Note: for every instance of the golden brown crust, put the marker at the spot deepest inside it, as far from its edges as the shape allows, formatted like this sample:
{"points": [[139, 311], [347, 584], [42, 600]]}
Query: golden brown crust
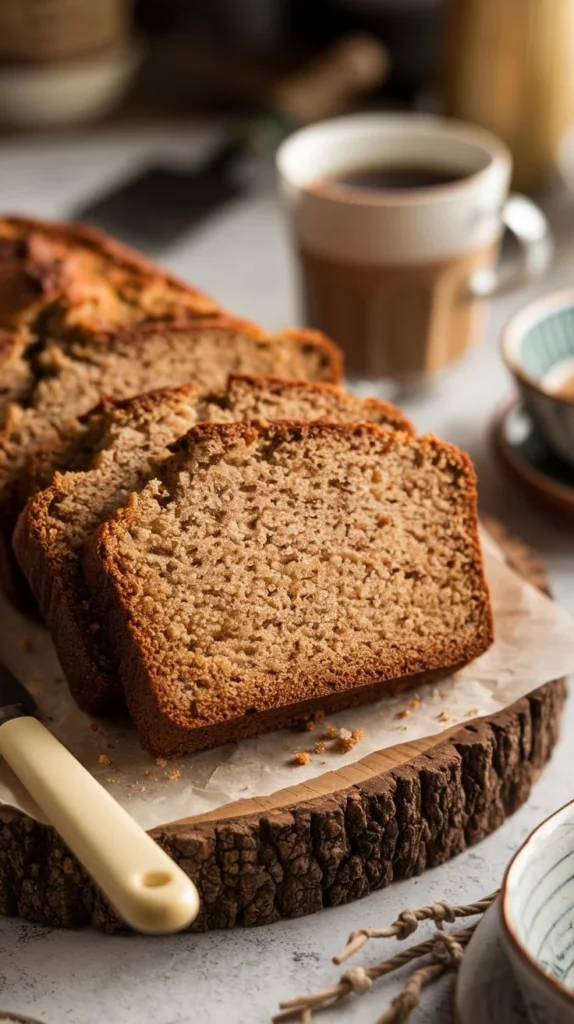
{"points": [[161, 727], [41, 263]]}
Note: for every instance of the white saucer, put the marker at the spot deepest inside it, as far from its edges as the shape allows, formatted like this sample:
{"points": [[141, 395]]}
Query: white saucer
{"points": [[486, 992]]}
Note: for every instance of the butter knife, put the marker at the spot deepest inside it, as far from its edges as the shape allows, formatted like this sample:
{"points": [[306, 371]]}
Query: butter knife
{"points": [[147, 889]]}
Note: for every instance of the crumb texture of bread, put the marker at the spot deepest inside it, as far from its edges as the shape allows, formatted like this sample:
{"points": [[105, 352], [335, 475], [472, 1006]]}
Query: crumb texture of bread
{"points": [[273, 565], [112, 451]]}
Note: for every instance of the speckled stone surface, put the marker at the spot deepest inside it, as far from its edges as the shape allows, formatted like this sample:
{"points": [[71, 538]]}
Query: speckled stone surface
{"points": [[241, 256]]}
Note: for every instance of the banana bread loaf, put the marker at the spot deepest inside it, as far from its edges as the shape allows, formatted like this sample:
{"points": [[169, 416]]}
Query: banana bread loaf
{"points": [[275, 569], [114, 450]]}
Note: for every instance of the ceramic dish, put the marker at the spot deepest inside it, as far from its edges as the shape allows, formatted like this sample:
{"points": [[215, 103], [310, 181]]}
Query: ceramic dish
{"points": [[68, 92], [537, 919], [530, 461], [538, 348], [486, 992]]}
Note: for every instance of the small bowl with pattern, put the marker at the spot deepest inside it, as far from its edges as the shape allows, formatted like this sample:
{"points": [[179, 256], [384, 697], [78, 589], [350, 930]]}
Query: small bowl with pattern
{"points": [[537, 915], [538, 349]]}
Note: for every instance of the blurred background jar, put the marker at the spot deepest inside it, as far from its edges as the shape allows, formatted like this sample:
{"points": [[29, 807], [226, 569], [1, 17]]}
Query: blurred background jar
{"points": [[509, 66], [63, 61]]}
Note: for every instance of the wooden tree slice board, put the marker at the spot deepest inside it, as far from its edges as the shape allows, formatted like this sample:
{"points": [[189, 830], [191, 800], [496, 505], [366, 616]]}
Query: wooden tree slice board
{"points": [[328, 841]]}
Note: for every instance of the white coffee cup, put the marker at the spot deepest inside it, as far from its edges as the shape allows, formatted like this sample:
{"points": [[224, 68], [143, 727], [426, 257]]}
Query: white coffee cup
{"points": [[398, 276]]}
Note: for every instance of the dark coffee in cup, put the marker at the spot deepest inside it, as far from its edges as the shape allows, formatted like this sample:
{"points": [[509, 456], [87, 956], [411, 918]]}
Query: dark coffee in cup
{"points": [[396, 178]]}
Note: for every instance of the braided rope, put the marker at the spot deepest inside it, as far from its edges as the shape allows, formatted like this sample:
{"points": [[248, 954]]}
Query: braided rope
{"points": [[408, 921], [445, 949]]}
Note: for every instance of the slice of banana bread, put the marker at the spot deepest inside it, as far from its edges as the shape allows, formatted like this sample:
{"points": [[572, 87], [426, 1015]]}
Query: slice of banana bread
{"points": [[71, 376], [274, 569], [114, 450]]}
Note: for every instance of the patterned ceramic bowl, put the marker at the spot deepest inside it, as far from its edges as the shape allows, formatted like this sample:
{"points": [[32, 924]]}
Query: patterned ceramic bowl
{"points": [[538, 348], [537, 914]]}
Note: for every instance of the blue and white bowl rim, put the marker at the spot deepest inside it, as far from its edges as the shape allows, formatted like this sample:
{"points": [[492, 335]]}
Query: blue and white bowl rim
{"points": [[520, 324], [553, 984]]}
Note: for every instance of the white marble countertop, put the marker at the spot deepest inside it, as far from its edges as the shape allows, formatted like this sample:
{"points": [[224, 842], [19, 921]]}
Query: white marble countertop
{"points": [[241, 257]]}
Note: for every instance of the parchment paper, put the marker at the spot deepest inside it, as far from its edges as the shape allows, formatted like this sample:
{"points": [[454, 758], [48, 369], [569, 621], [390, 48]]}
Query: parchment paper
{"points": [[534, 644]]}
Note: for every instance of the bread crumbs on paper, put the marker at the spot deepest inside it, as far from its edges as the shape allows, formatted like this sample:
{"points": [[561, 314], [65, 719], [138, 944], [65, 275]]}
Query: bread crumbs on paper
{"points": [[301, 757], [403, 714], [104, 759], [347, 742], [173, 774], [320, 747], [443, 717], [414, 703], [161, 762], [472, 712], [331, 732]]}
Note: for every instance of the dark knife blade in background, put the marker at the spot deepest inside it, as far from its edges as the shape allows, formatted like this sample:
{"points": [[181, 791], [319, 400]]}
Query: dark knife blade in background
{"points": [[158, 203], [14, 698]]}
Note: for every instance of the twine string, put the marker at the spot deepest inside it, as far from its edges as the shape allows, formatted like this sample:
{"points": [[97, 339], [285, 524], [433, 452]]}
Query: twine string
{"points": [[408, 921], [445, 950]]}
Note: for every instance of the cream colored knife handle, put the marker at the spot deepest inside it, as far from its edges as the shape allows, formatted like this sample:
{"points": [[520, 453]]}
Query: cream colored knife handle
{"points": [[148, 890]]}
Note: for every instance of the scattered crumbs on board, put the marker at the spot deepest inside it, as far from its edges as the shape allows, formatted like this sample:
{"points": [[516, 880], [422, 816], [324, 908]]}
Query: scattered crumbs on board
{"points": [[94, 727], [403, 714], [161, 762], [414, 703], [320, 747], [104, 759], [301, 757], [173, 774], [112, 782], [149, 773], [443, 717]]}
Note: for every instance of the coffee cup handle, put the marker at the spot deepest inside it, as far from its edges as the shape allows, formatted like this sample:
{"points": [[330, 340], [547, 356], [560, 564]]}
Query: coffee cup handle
{"points": [[531, 229]]}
